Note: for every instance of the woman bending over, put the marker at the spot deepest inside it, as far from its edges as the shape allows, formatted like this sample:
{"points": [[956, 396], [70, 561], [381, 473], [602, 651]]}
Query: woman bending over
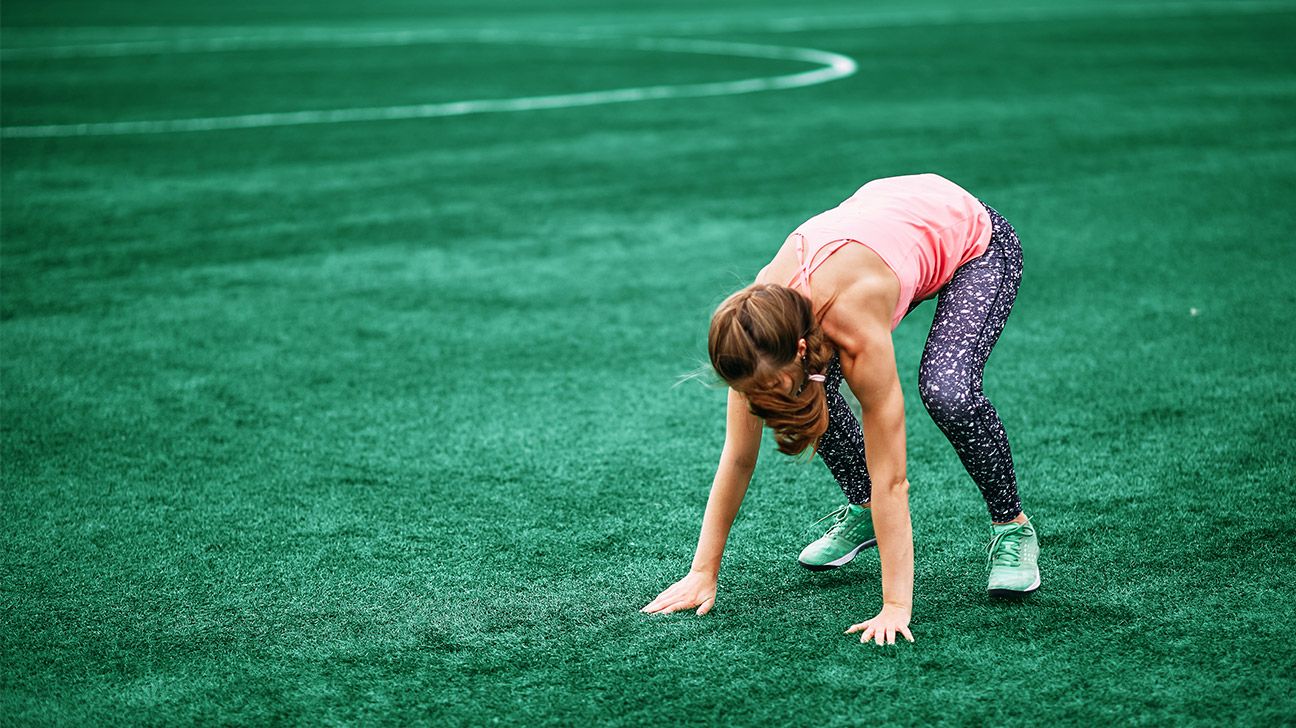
{"points": [[785, 343]]}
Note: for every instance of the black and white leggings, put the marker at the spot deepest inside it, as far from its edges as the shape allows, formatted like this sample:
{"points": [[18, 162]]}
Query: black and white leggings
{"points": [[970, 312]]}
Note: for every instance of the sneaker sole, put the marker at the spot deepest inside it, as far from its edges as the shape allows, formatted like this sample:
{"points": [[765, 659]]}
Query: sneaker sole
{"points": [[841, 561], [1015, 593]]}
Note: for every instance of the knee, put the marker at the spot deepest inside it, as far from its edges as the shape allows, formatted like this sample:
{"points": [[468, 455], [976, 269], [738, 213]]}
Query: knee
{"points": [[948, 399]]}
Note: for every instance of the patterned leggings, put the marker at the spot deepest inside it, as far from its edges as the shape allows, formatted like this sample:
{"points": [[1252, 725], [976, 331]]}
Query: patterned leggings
{"points": [[970, 312]]}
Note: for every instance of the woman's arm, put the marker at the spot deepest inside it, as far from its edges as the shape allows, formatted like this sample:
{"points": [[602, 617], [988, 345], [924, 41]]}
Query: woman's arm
{"points": [[737, 461], [871, 375], [861, 329]]}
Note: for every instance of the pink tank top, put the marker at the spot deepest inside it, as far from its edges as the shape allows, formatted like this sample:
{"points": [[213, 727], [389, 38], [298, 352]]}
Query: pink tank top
{"points": [[923, 226]]}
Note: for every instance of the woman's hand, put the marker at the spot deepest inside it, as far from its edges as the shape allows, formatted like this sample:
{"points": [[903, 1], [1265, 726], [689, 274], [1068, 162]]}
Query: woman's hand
{"points": [[698, 588], [890, 620]]}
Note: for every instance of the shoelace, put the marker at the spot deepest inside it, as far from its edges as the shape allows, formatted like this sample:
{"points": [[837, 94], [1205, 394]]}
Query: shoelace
{"points": [[841, 514], [1008, 545]]}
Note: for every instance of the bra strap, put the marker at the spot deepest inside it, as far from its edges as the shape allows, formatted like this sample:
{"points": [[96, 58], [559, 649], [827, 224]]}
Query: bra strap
{"points": [[806, 267], [802, 271]]}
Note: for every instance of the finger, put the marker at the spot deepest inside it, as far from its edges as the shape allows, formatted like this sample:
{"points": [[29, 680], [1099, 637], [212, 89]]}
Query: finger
{"points": [[661, 599], [890, 635], [864, 636], [706, 606], [878, 636], [659, 605], [678, 604], [857, 627], [666, 595], [906, 633]]}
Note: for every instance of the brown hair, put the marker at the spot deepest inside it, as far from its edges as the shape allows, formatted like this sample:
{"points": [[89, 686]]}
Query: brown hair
{"points": [[753, 338]]}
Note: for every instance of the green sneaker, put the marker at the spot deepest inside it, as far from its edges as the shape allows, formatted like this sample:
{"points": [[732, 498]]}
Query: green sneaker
{"points": [[851, 532], [1013, 556]]}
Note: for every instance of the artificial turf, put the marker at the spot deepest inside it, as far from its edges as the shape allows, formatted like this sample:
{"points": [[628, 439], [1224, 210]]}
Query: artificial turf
{"points": [[375, 422]]}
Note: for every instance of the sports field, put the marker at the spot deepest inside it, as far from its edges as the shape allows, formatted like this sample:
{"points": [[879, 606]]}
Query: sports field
{"points": [[338, 343]]}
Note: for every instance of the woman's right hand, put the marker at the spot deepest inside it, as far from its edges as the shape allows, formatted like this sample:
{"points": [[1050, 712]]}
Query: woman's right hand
{"points": [[698, 589]]}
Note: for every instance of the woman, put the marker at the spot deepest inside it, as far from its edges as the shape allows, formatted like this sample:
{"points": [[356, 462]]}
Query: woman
{"points": [[785, 343]]}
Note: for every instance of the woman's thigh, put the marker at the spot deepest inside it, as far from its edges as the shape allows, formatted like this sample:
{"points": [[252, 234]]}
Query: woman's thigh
{"points": [[971, 311]]}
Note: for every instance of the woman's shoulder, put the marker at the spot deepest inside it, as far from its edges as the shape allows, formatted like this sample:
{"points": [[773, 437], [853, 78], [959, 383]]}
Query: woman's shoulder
{"points": [[860, 310], [858, 274]]}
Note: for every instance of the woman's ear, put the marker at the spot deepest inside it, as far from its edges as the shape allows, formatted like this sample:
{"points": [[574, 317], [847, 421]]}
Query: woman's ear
{"points": [[801, 348]]}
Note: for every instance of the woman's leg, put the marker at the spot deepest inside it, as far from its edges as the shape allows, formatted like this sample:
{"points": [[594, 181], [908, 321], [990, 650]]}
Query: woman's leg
{"points": [[970, 313], [842, 445]]}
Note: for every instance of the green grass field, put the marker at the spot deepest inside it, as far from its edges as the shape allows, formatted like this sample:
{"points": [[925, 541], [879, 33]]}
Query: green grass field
{"points": [[356, 422]]}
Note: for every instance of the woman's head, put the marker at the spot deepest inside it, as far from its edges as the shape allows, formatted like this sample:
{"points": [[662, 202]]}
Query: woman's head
{"points": [[765, 342]]}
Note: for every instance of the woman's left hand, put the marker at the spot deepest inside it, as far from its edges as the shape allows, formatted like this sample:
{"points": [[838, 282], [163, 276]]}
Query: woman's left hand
{"points": [[890, 620]]}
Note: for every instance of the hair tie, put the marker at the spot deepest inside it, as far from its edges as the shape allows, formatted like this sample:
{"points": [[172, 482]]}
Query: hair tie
{"points": [[817, 377]]}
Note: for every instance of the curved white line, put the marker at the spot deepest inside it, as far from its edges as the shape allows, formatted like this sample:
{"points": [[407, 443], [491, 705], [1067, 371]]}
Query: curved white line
{"points": [[832, 66]]}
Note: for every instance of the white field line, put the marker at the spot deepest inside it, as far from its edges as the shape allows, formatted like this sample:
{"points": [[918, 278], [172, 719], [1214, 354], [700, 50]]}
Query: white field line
{"points": [[831, 66], [280, 38]]}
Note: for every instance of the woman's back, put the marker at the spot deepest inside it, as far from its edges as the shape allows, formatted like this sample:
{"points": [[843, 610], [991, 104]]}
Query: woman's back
{"points": [[922, 226]]}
